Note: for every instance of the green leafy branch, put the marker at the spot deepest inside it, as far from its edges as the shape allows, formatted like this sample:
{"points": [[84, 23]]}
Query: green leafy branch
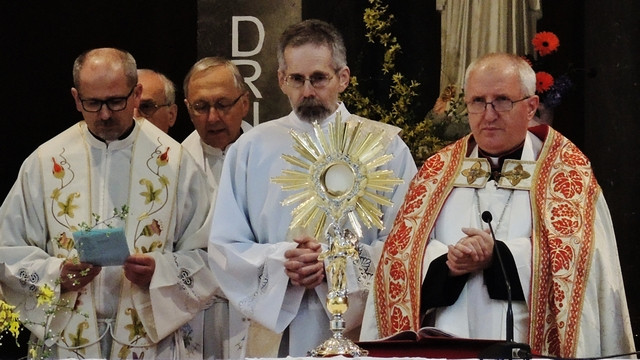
{"points": [[423, 134], [121, 214]]}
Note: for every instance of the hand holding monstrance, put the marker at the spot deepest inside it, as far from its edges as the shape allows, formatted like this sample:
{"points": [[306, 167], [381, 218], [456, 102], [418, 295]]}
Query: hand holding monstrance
{"points": [[339, 181]]}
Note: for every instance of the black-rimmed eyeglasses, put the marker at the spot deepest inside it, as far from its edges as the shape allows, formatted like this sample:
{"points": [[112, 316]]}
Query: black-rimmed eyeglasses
{"points": [[478, 106], [200, 108], [149, 107], [113, 103]]}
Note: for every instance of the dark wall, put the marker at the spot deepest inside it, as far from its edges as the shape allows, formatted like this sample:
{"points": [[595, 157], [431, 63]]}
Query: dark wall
{"points": [[611, 126]]}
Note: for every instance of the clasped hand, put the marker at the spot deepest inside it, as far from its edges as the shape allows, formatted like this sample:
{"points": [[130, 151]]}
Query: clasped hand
{"points": [[74, 276], [302, 265], [472, 253], [138, 268]]}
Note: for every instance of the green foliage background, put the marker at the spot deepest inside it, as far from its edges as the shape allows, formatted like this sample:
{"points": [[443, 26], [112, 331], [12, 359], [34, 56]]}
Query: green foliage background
{"points": [[424, 133]]}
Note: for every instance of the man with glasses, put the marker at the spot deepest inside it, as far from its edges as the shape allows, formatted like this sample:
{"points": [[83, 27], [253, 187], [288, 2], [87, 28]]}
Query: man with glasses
{"points": [[537, 191], [108, 173], [271, 274], [158, 102], [217, 99]]}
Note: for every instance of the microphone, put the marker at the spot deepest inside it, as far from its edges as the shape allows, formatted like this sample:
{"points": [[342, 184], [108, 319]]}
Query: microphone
{"points": [[510, 349]]}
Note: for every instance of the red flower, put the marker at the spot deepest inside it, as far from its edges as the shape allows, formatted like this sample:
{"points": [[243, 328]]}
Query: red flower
{"points": [[545, 43], [58, 170], [544, 81], [163, 159]]}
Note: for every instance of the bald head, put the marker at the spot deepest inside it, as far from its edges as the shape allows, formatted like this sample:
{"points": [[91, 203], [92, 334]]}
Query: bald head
{"points": [[115, 60], [504, 62]]}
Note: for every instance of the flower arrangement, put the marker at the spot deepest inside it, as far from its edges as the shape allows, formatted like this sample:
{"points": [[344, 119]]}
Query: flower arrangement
{"points": [[550, 89], [9, 320], [424, 134]]}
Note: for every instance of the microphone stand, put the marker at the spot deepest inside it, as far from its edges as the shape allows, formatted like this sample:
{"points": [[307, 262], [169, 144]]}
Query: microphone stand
{"points": [[509, 349]]}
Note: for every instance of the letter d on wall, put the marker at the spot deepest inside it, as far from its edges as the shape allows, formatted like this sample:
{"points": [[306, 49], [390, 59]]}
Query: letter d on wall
{"points": [[235, 52]]}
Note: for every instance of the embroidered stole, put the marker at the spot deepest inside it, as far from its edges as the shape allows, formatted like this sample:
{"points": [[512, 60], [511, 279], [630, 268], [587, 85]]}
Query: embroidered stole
{"points": [[563, 195], [152, 192]]}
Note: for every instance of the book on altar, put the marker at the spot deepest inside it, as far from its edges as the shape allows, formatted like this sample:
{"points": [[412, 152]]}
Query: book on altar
{"points": [[423, 333]]}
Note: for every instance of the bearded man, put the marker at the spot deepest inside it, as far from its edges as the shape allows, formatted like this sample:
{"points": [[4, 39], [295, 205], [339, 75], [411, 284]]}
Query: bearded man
{"points": [[271, 274]]}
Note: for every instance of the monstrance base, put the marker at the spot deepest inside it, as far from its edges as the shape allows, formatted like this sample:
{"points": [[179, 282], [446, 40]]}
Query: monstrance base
{"points": [[338, 346]]}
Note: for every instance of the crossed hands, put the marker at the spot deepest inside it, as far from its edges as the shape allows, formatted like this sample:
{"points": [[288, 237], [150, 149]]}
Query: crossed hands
{"points": [[138, 268], [471, 253], [302, 265]]}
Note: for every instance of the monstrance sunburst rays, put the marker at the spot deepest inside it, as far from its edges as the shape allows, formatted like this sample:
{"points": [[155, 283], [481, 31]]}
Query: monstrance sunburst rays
{"points": [[338, 177]]}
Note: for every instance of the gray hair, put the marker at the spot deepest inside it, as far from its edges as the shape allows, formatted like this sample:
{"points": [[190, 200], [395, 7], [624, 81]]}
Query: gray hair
{"points": [[525, 72], [213, 62], [315, 32], [117, 56], [169, 87]]}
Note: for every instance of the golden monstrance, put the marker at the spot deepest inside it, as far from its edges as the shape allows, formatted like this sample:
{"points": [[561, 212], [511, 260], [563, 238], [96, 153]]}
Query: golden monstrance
{"points": [[337, 181]]}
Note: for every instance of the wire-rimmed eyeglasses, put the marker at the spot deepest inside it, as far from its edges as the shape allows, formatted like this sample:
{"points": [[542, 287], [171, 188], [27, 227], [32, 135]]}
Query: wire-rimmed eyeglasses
{"points": [[200, 108], [318, 81], [149, 107], [478, 106]]}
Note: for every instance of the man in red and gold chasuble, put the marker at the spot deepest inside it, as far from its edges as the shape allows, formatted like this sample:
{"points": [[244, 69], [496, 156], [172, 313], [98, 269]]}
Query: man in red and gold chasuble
{"points": [[551, 222]]}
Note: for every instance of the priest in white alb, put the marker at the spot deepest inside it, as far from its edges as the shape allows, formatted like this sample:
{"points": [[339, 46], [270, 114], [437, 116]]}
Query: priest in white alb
{"points": [[271, 274]]}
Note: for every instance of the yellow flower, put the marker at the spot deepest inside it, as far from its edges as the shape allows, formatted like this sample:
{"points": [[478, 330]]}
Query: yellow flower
{"points": [[9, 319], [67, 208], [151, 194], [45, 295], [14, 326]]}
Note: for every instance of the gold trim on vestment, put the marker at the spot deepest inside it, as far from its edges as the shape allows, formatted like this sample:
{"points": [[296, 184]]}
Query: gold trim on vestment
{"points": [[515, 174]]}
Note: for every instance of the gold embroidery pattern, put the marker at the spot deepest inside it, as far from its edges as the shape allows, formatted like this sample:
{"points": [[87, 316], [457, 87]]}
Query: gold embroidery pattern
{"points": [[516, 175], [475, 172], [148, 230]]}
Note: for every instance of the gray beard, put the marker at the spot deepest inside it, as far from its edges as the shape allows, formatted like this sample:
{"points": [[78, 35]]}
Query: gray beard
{"points": [[311, 109]]}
